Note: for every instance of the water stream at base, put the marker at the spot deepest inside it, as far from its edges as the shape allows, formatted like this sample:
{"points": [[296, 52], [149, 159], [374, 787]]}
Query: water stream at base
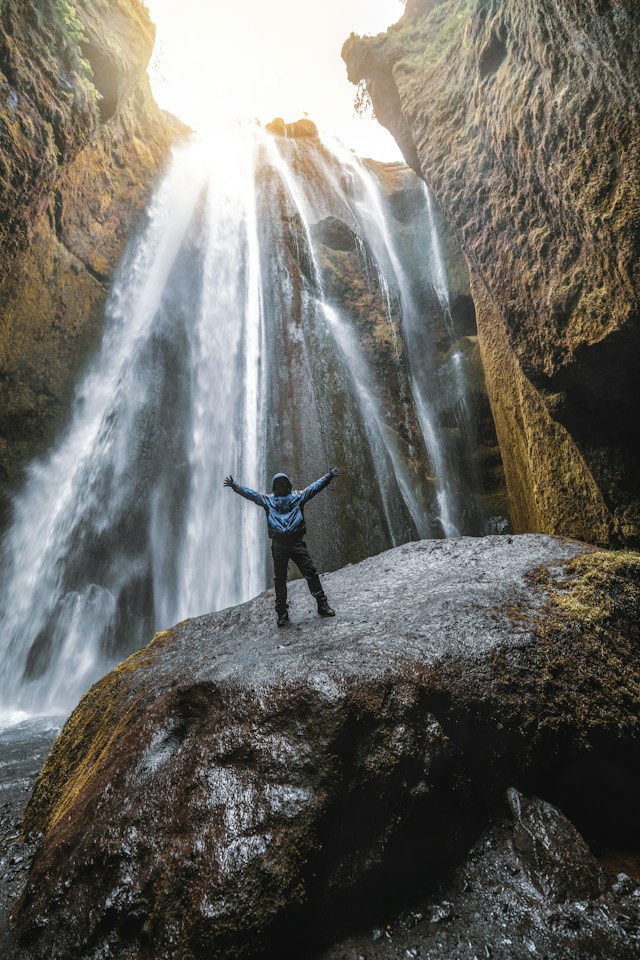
{"points": [[222, 352]]}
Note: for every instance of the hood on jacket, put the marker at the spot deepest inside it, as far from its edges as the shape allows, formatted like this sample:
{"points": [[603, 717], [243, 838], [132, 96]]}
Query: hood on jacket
{"points": [[278, 476]]}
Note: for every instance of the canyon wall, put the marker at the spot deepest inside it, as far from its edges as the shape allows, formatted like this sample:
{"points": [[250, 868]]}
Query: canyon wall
{"points": [[522, 117], [81, 142]]}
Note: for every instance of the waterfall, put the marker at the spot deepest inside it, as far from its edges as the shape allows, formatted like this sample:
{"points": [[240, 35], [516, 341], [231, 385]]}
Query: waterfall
{"points": [[121, 530], [438, 272], [367, 207], [387, 459], [228, 347]]}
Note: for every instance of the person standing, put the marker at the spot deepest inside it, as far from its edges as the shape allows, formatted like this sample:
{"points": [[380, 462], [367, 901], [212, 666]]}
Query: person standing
{"points": [[284, 508]]}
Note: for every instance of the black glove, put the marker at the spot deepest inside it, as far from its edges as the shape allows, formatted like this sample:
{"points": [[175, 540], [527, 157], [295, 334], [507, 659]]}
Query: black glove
{"points": [[228, 481], [335, 471]]}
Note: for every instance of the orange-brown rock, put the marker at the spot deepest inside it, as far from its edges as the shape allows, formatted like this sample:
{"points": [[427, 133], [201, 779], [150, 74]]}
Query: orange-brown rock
{"points": [[523, 118], [299, 128]]}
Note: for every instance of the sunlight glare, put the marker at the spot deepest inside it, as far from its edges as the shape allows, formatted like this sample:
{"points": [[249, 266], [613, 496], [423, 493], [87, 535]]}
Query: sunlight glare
{"points": [[216, 62]]}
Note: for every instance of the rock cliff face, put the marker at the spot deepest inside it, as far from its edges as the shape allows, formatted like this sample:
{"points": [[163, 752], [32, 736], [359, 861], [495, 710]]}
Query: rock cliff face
{"points": [[233, 788], [81, 140], [523, 119]]}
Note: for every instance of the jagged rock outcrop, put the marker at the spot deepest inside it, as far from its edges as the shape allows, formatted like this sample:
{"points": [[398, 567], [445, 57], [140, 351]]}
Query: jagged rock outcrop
{"points": [[81, 141], [232, 788], [523, 119], [298, 129]]}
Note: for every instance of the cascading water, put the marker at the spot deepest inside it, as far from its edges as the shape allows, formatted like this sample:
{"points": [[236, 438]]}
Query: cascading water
{"points": [[121, 530], [456, 374], [389, 469], [431, 379], [368, 208], [228, 347]]}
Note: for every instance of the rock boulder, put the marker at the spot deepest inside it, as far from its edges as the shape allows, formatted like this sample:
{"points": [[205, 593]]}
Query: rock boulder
{"points": [[499, 902], [230, 783], [299, 128]]}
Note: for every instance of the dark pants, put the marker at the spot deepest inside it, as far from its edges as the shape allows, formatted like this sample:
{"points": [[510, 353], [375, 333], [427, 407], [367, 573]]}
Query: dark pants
{"points": [[293, 548]]}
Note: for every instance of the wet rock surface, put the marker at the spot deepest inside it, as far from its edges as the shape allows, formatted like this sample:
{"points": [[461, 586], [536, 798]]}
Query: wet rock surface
{"points": [[554, 857], [23, 750], [234, 787], [493, 907]]}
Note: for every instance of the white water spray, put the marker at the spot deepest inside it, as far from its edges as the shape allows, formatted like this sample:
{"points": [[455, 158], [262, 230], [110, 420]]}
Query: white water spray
{"points": [[121, 530]]}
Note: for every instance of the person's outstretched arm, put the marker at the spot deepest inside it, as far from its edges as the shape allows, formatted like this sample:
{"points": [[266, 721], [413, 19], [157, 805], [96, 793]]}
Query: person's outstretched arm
{"points": [[245, 492], [320, 484]]}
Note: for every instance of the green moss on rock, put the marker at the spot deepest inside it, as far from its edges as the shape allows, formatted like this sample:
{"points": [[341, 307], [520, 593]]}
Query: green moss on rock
{"points": [[588, 628], [89, 739]]}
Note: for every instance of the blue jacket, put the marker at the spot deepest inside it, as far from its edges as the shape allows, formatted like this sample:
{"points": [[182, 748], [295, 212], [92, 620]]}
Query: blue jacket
{"points": [[284, 514]]}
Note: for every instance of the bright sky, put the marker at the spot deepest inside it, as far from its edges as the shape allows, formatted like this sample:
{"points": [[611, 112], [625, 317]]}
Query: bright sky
{"points": [[219, 59]]}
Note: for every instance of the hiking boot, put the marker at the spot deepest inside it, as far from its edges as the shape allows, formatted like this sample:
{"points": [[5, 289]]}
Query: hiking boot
{"points": [[324, 609], [283, 618]]}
